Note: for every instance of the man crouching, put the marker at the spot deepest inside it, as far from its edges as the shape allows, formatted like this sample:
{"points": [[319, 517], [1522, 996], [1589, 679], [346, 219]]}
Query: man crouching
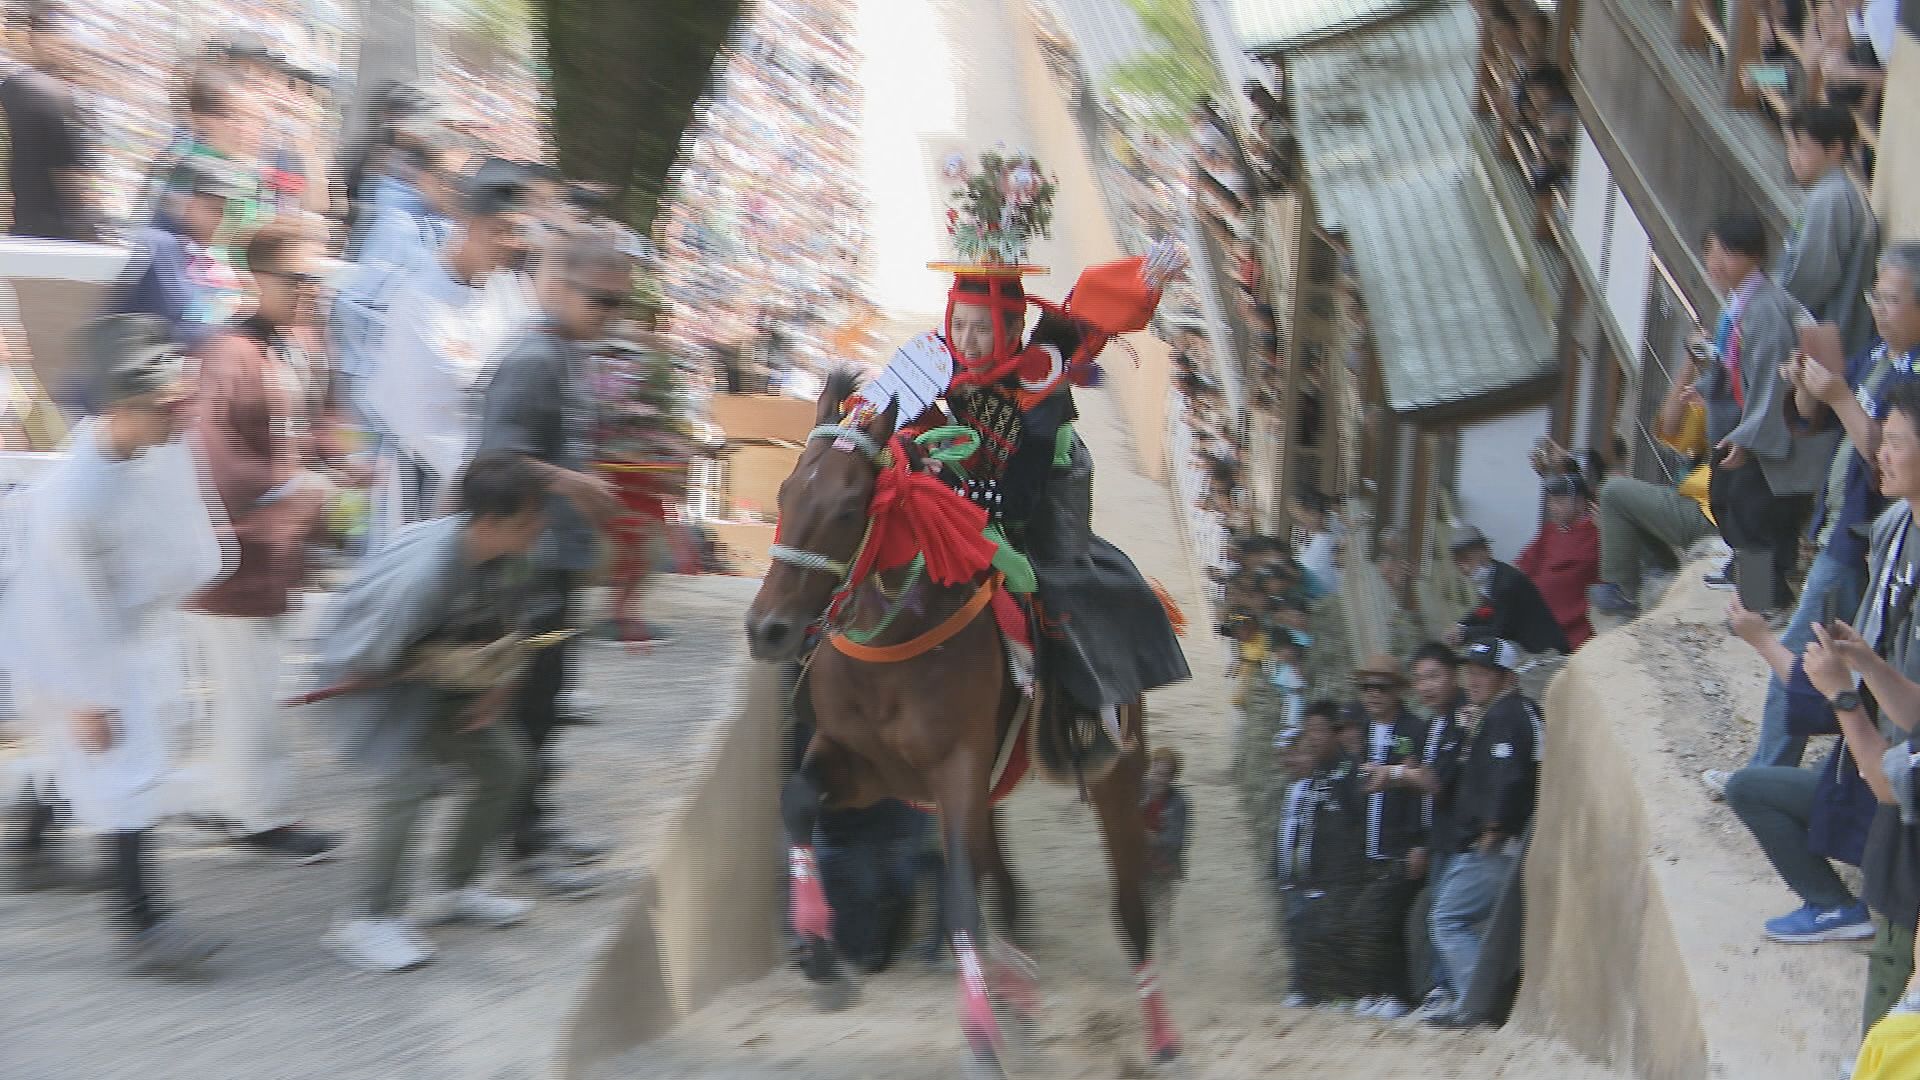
{"points": [[419, 656]]}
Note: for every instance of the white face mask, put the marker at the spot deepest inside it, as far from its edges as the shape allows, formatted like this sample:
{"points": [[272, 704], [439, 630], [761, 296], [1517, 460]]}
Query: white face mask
{"points": [[1482, 578]]}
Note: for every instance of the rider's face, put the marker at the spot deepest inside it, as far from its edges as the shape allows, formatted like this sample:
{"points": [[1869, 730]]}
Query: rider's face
{"points": [[972, 327]]}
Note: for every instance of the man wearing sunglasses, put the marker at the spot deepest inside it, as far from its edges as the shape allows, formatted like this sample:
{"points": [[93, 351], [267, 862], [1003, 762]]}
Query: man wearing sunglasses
{"points": [[256, 421], [539, 404]]}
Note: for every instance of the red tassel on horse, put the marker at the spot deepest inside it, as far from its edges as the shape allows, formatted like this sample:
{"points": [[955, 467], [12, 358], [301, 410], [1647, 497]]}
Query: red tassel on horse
{"points": [[914, 513]]}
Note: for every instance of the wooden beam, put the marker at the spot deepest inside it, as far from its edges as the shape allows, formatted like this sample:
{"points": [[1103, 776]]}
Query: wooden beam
{"points": [[1743, 50]]}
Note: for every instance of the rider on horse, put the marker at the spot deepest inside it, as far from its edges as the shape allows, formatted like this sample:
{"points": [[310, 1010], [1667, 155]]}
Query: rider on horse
{"points": [[1106, 635]]}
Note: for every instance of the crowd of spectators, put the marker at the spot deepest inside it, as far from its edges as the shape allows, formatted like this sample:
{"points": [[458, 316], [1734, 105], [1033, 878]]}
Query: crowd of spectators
{"points": [[128, 57], [356, 346], [760, 245]]}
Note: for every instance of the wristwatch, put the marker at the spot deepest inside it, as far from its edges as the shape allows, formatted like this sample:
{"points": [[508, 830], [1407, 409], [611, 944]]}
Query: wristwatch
{"points": [[1846, 701]]}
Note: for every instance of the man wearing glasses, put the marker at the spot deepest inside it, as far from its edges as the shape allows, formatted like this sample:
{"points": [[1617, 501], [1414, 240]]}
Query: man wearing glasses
{"points": [[1826, 394], [256, 423], [539, 404]]}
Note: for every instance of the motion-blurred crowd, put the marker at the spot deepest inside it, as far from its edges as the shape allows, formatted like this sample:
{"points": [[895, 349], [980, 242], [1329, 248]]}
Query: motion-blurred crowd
{"points": [[419, 388]]}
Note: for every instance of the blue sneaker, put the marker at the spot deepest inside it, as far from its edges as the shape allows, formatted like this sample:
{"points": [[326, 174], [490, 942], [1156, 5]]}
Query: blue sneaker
{"points": [[1610, 599], [1812, 924]]}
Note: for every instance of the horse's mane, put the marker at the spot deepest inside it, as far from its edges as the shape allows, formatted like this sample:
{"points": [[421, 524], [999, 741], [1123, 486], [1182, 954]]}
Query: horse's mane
{"points": [[841, 383]]}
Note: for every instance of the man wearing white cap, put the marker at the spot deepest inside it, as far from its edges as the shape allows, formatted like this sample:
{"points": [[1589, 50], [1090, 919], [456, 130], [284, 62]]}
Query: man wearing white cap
{"points": [[118, 533], [1489, 806]]}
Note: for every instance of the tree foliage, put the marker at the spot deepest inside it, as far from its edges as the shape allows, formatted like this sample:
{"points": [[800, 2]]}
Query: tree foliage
{"points": [[626, 75], [1163, 86]]}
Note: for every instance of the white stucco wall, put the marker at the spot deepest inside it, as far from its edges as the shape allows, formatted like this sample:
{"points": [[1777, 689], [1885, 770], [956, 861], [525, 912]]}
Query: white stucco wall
{"points": [[1498, 490]]}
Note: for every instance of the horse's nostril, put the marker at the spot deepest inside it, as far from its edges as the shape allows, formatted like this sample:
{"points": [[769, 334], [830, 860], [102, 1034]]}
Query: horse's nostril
{"points": [[773, 632]]}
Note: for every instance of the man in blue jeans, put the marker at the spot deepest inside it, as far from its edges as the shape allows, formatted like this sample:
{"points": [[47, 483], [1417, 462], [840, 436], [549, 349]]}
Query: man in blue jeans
{"points": [[1492, 802], [1821, 400], [1801, 818]]}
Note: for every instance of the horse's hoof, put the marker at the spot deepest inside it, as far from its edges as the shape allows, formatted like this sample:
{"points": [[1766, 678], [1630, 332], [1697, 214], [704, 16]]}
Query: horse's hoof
{"points": [[833, 995], [984, 1064], [833, 988]]}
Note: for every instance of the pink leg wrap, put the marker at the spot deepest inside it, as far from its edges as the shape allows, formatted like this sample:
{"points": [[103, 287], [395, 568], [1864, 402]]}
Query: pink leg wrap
{"points": [[1162, 1043], [976, 1009], [811, 916]]}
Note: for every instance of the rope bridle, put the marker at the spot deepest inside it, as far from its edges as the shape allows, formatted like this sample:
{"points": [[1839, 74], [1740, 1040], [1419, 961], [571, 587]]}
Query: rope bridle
{"points": [[801, 559], [949, 445]]}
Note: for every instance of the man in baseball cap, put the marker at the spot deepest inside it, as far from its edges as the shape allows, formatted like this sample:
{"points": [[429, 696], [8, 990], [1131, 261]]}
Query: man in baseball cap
{"points": [[1488, 807], [1507, 603], [119, 533]]}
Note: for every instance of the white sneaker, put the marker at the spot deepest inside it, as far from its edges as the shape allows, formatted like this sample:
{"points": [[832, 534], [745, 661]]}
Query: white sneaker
{"points": [[1388, 1008], [1438, 1003], [473, 905], [1365, 1006], [378, 944], [1715, 781], [1295, 1001]]}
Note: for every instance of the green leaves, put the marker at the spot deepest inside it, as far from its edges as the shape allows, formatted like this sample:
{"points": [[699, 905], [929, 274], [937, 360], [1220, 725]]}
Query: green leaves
{"points": [[1164, 86]]}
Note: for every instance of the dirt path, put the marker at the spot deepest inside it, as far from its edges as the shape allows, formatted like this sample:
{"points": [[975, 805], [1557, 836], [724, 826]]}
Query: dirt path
{"points": [[1226, 974]]}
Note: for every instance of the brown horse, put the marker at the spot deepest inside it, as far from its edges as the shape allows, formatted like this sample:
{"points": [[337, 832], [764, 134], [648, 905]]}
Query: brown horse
{"points": [[924, 726]]}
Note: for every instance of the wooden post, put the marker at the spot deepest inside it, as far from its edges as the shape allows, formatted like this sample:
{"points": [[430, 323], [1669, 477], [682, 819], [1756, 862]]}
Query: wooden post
{"points": [[1567, 349], [1565, 20], [1743, 49], [1692, 16]]}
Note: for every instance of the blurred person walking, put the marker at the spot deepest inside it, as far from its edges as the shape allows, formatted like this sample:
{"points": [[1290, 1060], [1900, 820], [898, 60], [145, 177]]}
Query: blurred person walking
{"points": [[49, 147], [176, 277], [118, 533], [1490, 804], [256, 423], [442, 338], [450, 584], [539, 404]]}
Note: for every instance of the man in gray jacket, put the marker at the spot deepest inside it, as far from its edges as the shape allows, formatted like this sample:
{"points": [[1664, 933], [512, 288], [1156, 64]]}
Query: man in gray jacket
{"points": [[450, 581], [1763, 477], [1828, 261]]}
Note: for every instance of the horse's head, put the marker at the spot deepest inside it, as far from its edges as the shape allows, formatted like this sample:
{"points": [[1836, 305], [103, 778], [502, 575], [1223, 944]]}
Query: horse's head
{"points": [[823, 516]]}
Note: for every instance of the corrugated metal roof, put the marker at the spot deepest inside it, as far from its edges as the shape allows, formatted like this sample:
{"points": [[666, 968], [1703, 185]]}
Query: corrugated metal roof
{"points": [[1386, 133], [1106, 33], [1267, 26]]}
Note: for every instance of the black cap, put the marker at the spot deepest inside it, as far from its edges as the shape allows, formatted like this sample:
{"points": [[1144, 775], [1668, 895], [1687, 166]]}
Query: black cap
{"points": [[132, 356], [1563, 483], [496, 187], [244, 45], [1492, 652]]}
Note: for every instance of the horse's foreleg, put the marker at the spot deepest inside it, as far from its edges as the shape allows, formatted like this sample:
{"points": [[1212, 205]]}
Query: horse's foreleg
{"points": [[1010, 897], [1116, 798], [960, 789], [800, 801]]}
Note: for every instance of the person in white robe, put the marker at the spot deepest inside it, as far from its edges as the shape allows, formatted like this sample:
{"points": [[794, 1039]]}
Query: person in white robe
{"points": [[116, 535], [448, 325]]}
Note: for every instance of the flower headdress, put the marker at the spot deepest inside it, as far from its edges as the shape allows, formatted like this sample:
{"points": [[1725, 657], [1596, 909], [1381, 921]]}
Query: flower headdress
{"points": [[994, 213]]}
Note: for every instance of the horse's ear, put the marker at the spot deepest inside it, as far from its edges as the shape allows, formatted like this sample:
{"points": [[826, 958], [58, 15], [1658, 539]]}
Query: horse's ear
{"points": [[832, 398], [880, 428]]}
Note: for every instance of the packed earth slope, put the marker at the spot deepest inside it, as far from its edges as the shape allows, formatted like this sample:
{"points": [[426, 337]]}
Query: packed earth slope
{"points": [[1645, 898]]}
